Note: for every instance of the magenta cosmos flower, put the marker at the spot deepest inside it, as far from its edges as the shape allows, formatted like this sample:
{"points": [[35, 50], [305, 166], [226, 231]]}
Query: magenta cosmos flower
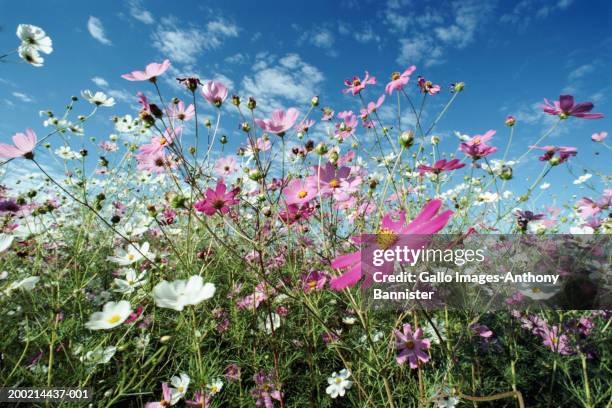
{"points": [[427, 86], [214, 92], [390, 234], [23, 144], [440, 166], [218, 199], [565, 108], [280, 122], [476, 147], [151, 72], [166, 398], [411, 346], [565, 152], [200, 400], [399, 80], [299, 191], [356, 85]]}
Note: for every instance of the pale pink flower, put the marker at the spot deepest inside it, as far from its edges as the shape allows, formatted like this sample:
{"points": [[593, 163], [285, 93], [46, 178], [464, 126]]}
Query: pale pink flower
{"points": [[356, 85], [599, 137], [411, 346], [305, 125], [181, 112], [427, 86], [399, 80], [299, 191], [151, 72], [214, 92], [225, 166], [23, 144], [280, 122]]}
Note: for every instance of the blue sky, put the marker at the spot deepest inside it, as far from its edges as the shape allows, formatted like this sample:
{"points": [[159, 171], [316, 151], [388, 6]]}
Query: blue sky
{"points": [[509, 54]]}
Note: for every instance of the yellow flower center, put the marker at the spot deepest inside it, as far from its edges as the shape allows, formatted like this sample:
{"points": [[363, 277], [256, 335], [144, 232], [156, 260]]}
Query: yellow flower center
{"points": [[302, 194], [409, 344], [338, 380], [356, 82], [163, 141], [395, 76], [312, 284], [113, 319], [476, 141], [131, 257], [536, 290], [386, 238], [334, 183]]}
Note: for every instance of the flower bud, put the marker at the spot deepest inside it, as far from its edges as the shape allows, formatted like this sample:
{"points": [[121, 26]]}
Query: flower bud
{"points": [[406, 139], [321, 149], [245, 127], [435, 140], [164, 339], [207, 123], [510, 121], [192, 150], [506, 173], [236, 100], [156, 111], [314, 101], [333, 157], [223, 139], [252, 103], [255, 174], [457, 87]]}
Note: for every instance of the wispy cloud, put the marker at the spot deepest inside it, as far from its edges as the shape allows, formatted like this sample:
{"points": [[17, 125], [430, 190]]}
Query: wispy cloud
{"points": [[580, 72], [96, 29], [99, 81], [318, 36], [22, 97], [184, 45], [277, 82], [525, 11], [138, 11]]}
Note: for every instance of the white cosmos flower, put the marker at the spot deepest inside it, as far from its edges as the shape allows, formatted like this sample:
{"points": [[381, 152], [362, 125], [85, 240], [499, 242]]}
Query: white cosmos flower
{"points": [[65, 153], [31, 56], [131, 255], [99, 355], [112, 315], [180, 383], [214, 387], [270, 323], [35, 38], [538, 291], [98, 98], [583, 178], [26, 284], [339, 383], [131, 281], [177, 294], [5, 242]]}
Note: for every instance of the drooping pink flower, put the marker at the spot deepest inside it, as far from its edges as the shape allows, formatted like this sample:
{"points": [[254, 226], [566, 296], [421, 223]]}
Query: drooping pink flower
{"points": [[217, 200], [481, 330], [356, 85], [565, 108], [390, 234], [181, 112], [371, 108], [280, 122], [151, 72], [295, 213], [427, 86], [166, 398], [299, 191], [328, 113], [411, 346], [225, 166], [304, 126], [23, 145], [347, 127], [565, 152], [599, 137], [399, 80], [441, 165], [476, 147], [214, 92]]}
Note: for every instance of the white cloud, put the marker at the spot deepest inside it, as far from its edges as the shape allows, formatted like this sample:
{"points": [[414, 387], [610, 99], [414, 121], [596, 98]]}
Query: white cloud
{"points": [[96, 29], [139, 13], [524, 11], [99, 81], [236, 59], [581, 71], [184, 45], [280, 82], [367, 35], [22, 97], [322, 39]]}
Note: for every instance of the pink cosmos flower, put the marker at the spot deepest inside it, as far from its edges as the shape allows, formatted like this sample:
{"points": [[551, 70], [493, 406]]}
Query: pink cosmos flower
{"points": [[23, 144], [481, 330], [299, 191], [476, 148], [599, 137], [280, 122], [225, 166], [558, 343], [371, 107], [214, 92], [328, 180], [166, 398], [328, 113], [399, 80], [390, 234], [313, 280], [158, 143], [265, 390], [156, 162], [565, 108], [356, 85], [305, 125], [217, 200], [441, 165], [411, 346], [588, 208], [200, 400], [427, 86], [295, 213], [151, 72], [510, 120], [180, 112], [347, 127], [565, 152]]}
